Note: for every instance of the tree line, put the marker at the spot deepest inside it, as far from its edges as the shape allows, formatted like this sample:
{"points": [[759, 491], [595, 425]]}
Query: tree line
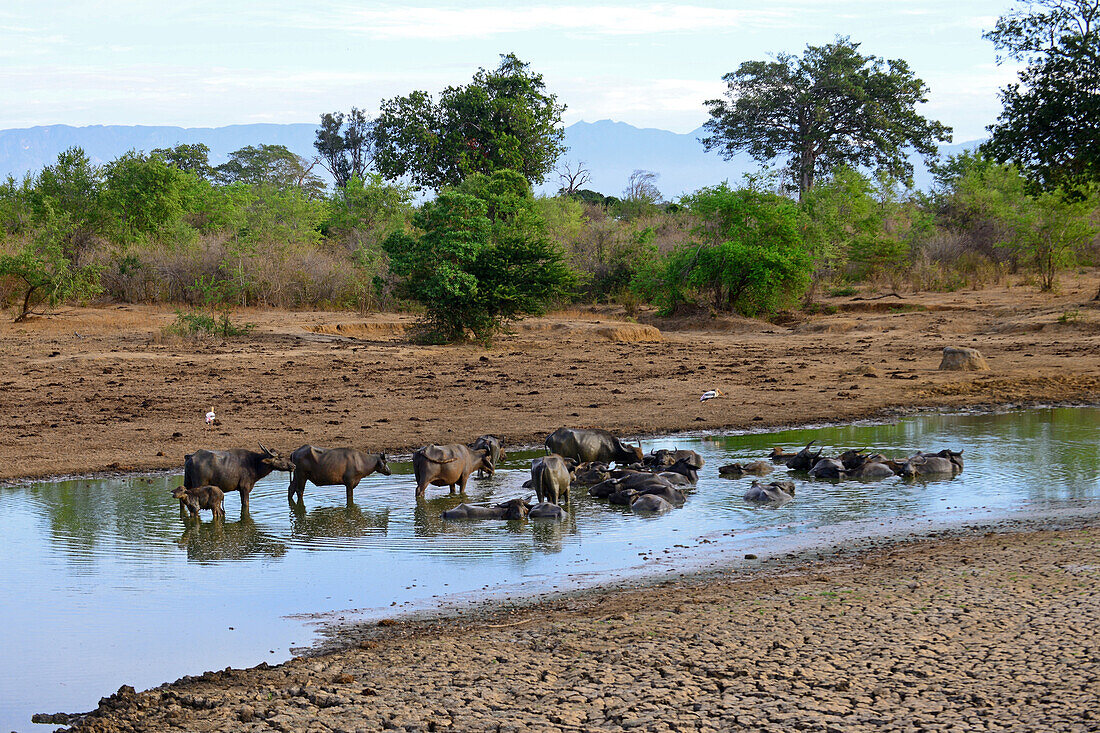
{"points": [[431, 207]]}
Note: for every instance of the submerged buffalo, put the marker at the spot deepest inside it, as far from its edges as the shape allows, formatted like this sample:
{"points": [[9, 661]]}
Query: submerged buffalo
{"points": [[663, 457], [828, 468], [775, 493], [551, 476], [448, 465], [651, 504], [590, 474], [592, 445], [232, 470], [201, 497], [546, 510], [511, 509], [756, 468], [495, 447], [944, 463], [336, 466]]}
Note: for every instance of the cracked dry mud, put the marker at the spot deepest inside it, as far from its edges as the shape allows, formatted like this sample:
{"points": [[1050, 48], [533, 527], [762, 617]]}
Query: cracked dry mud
{"points": [[995, 632]]}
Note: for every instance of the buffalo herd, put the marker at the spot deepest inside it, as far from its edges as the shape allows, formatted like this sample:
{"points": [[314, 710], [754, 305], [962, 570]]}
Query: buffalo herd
{"points": [[609, 469]]}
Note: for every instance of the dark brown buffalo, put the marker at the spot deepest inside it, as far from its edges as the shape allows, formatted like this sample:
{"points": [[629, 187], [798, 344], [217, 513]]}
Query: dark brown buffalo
{"points": [[828, 468], [551, 476], [201, 497], [511, 509], [944, 463], [664, 457], [592, 445], [495, 446], [232, 470], [756, 468], [590, 474], [805, 459], [447, 465], [673, 496], [546, 510], [651, 504], [333, 467], [685, 467]]}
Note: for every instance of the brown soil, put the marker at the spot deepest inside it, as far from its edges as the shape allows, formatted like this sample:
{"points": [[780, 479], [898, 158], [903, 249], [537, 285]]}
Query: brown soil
{"points": [[983, 633], [102, 388]]}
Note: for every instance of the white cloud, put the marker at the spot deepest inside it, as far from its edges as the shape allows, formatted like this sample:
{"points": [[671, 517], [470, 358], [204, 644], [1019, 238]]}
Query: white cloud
{"points": [[454, 23]]}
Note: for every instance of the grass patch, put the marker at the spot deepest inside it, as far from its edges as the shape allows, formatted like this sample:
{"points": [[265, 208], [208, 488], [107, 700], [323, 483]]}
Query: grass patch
{"points": [[197, 324]]}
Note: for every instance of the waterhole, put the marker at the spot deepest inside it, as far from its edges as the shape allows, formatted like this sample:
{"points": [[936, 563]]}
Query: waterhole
{"points": [[104, 583]]}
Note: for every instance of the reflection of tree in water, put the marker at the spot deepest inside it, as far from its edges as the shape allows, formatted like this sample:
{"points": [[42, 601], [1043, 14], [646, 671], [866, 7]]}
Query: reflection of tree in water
{"points": [[336, 521], [83, 514], [219, 541]]}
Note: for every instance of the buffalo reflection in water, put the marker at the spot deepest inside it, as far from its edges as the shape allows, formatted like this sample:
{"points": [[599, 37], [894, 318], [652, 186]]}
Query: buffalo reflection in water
{"points": [[220, 541], [336, 521]]}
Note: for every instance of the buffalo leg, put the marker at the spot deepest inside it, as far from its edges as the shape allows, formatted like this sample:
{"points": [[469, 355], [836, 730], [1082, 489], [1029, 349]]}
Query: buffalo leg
{"points": [[244, 501], [349, 490], [297, 485]]}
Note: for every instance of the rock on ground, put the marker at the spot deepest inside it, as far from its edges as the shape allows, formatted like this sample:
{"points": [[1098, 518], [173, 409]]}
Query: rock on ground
{"points": [[962, 359]]}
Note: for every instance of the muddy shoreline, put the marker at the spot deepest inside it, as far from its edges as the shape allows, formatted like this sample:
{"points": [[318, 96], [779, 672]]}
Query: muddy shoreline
{"points": [[103, 390]]}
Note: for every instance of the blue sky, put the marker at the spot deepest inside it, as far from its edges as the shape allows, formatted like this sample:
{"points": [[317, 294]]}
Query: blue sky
{"points": [[208, 63]]}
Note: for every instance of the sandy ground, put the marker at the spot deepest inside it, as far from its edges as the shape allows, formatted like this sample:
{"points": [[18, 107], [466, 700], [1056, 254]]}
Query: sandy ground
{"points": [[102, 388], [995, 632]]}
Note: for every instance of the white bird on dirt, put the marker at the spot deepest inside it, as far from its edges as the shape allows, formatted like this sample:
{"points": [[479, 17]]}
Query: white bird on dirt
{"points": [[210, 417], [710, 394]]}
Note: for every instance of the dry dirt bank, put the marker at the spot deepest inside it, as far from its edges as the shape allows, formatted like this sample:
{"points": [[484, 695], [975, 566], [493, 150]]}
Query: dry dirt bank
{"points": [[984, 633], [99, 388]]}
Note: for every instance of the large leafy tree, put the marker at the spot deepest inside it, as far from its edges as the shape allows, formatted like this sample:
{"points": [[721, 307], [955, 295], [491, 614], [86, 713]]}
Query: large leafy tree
{"points": [[344, 144], [192, 158], [270, 165], [1050, 126], [502, 119], [479, 258], [831, 106]]}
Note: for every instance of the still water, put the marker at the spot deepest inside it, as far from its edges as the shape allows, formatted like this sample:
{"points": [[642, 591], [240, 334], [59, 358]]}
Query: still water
{"points": [[104, 584]]}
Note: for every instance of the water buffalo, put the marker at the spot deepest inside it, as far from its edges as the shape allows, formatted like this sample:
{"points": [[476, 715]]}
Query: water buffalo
{"points": [[853, 458], [685, 467], [872, 470], [623, 497], [932, 465], [495, 446], [650, 503], [232, 470], [546, 510], [828, 468], [756, 468], [332, 467], [780, 456], [664, 457], [511, 509], [673, 496], [590, 474], [592, 445], [447, 465], [776, 492], [551, 476], [676, 479], [804, 460], [201, 497]]}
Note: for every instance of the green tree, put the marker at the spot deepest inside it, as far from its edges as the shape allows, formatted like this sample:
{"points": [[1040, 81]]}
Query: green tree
{"points": [[191, 158], [344, 143], [272, 165], [72, 187], [479, 258], [144, 194], [1050, 125], [502, 119], [833, 106], [40, 273], [751, 258]]}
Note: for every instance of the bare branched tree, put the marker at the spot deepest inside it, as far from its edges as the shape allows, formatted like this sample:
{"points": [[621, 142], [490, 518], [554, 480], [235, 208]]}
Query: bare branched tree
{"points": [[642, 187], [573, 177]]}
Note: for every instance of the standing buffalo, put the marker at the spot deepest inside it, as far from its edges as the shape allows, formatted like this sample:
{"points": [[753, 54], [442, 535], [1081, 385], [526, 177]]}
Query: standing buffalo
{"points": [[495, 446], [232, 470], [551, 476], [592, 445], [201, 497], [332, 467], [448, 465]]}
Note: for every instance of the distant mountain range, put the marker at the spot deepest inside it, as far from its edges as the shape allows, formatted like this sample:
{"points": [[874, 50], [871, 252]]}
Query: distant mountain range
{"points": [[611, 151]]}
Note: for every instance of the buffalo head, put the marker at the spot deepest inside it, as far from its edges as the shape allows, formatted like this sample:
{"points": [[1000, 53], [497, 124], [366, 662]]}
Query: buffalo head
{"points": [[276, 460], [383, 467]]}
